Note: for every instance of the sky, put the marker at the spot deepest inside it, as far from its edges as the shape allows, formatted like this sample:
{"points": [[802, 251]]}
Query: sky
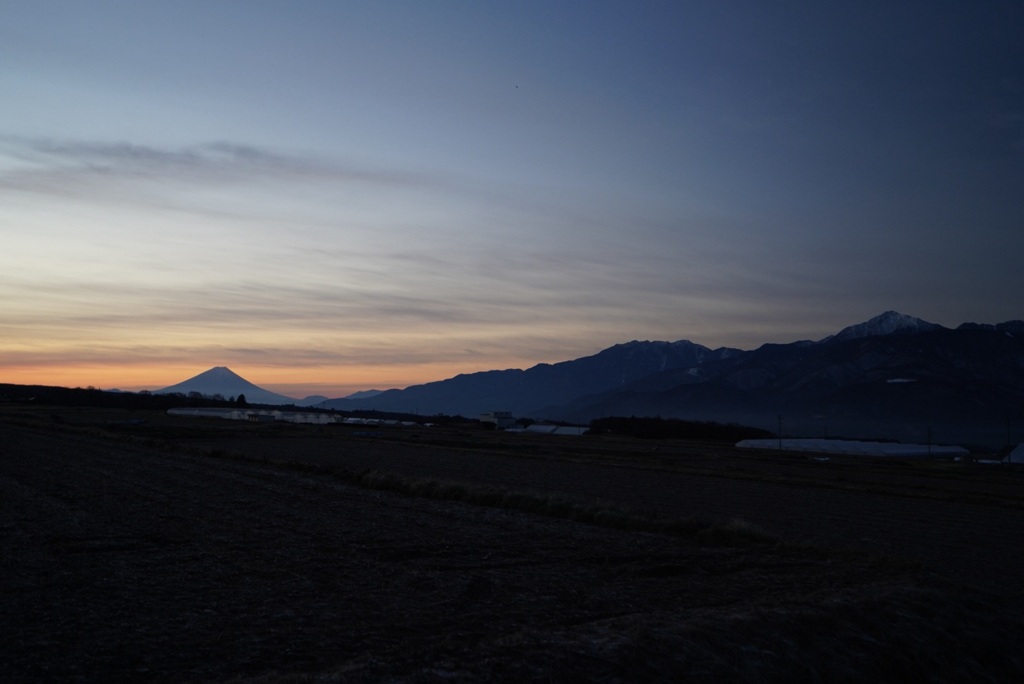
{"points": [[329, 196]]}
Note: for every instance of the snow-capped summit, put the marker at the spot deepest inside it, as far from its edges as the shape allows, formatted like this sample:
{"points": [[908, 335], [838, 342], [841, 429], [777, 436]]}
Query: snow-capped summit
{"points": [[225, 382], [887, 323]]}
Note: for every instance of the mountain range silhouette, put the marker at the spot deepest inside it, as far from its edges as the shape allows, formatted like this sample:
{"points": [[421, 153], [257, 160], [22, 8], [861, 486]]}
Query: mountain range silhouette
{"points": [[893, 376]]}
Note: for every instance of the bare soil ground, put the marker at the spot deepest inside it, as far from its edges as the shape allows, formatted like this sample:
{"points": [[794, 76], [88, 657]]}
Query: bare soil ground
{"points": [[192, 550]]}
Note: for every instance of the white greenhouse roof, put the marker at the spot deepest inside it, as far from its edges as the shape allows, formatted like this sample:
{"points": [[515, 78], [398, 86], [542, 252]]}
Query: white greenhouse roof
{"points": [[557, 429], [842, 446]]}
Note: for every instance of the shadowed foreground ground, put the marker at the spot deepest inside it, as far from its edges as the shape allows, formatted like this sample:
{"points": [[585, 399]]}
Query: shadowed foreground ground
{"points": [[128, 562]]}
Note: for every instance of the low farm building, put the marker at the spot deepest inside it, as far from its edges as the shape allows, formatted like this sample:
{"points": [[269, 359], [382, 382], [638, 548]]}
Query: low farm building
{"points": [[273, 415], [500, 419], [258, 415]]}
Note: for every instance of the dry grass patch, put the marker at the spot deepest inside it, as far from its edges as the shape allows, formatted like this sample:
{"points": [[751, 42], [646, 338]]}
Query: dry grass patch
{"points": [[733, 532]]}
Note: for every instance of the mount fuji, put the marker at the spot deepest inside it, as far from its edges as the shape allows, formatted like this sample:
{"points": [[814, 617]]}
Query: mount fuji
{"points": [[225, 382]]}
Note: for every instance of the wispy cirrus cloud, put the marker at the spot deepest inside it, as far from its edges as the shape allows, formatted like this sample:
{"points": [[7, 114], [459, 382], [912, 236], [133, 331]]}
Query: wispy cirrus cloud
{"points": [[64, 165]]}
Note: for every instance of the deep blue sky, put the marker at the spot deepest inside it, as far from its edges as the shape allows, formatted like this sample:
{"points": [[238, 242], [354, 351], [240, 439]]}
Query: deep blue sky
{"points": [[337, 195]]}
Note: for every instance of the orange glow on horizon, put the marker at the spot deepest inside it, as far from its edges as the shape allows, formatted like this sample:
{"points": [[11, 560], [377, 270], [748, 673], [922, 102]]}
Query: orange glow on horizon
{"points": [[294, 382]]}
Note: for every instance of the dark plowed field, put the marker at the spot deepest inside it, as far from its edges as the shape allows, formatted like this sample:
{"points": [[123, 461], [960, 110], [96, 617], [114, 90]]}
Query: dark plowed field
{"points": [[193, 551]]}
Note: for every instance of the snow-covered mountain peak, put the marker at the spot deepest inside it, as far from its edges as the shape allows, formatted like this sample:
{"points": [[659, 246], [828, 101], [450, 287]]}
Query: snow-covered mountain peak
{"points": [[220, 372], [887, 323], [221, 380]]}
